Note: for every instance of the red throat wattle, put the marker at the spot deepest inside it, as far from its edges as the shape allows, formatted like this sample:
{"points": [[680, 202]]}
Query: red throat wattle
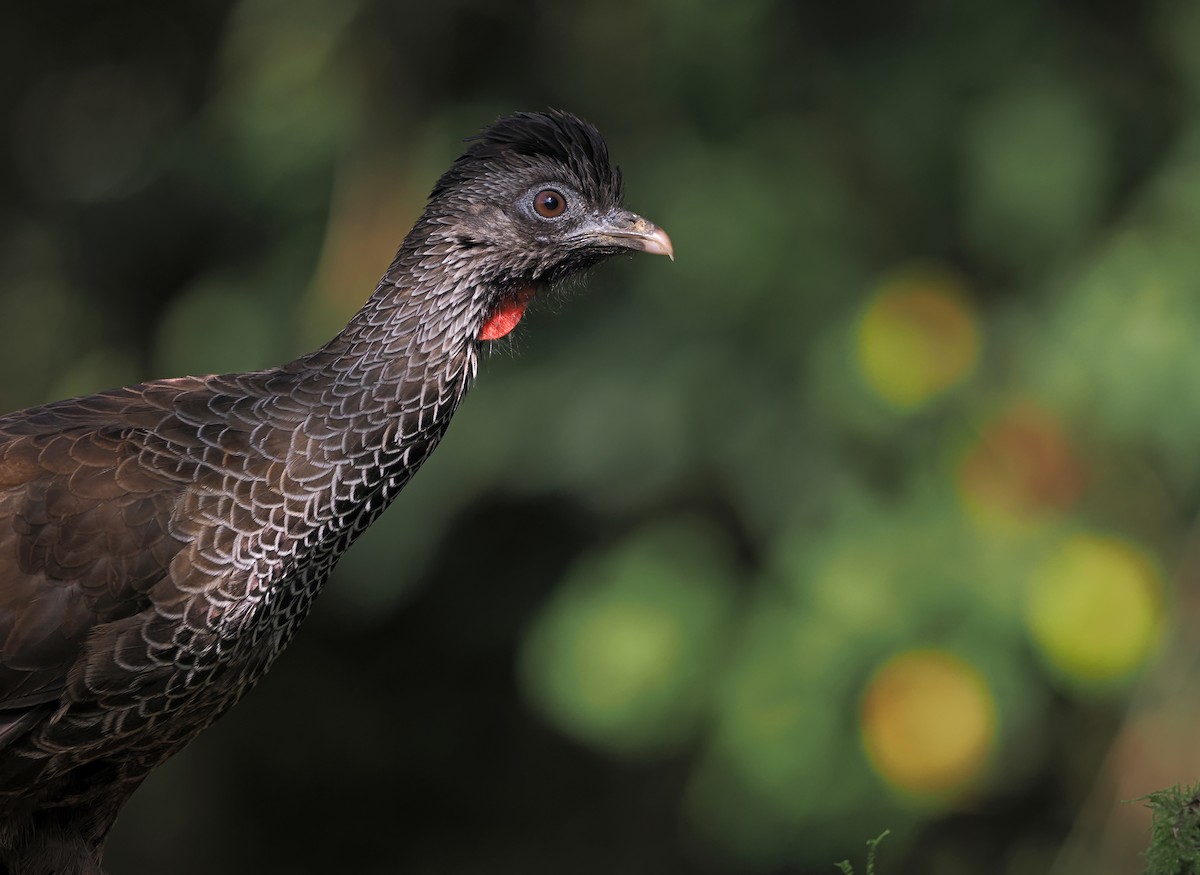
{"points": [[506, 314]]}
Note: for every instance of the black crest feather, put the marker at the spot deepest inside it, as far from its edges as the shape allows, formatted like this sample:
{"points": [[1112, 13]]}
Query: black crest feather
{"points": [[557, 135]]}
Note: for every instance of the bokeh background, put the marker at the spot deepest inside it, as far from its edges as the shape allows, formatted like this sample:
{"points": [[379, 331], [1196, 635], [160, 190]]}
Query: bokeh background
{"points": [[876, 510]]}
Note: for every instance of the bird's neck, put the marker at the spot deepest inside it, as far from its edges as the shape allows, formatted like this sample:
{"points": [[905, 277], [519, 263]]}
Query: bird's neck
{"points": [[410, 353]]}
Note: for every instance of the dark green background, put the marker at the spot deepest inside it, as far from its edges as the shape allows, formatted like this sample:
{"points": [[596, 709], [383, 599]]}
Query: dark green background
{"points": [[600, 632]]}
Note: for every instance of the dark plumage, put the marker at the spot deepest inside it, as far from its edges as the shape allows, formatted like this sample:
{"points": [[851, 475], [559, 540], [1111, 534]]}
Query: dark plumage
{"points": [[160, 544]]}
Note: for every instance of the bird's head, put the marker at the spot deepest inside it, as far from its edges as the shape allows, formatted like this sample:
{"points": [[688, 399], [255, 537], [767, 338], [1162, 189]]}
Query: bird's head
{"points": [[532, 201]]}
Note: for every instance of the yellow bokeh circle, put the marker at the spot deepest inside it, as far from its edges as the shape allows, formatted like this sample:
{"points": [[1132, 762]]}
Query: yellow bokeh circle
{"points": [[917, 337], [1094, 607], [928, 723]]}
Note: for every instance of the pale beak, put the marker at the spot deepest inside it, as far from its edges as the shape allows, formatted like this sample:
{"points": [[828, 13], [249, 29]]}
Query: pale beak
{"points": [[623, 228]]}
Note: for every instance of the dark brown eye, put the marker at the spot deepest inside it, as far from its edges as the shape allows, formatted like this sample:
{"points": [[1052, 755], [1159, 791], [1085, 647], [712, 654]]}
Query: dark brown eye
{"points": [[549, 203]]}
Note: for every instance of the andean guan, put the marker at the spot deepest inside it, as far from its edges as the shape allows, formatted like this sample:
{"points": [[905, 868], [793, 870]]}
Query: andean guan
{"points": [[160, 543]]}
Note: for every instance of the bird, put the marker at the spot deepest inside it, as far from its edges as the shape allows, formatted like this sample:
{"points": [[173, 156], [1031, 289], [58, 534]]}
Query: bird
{"points": [[161, 543]]}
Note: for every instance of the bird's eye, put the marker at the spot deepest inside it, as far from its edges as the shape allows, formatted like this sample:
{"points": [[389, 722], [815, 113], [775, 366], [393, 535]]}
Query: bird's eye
{"points": [[549, 203]]}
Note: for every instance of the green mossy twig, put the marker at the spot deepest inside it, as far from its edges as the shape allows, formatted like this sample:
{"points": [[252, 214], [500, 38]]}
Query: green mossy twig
{"points": [[1174, 831], [872, 845]]}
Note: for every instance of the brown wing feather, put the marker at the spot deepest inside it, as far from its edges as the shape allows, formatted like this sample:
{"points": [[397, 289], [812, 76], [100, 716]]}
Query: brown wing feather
{"points": [[84, 534]]}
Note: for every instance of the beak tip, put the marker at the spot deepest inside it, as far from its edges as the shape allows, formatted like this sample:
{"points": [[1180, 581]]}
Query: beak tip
{"points": [[656, 242]]}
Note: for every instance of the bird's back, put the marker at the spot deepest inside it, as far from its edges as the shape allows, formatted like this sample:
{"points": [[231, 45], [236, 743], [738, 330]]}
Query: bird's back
{"points": [[149, 572]]}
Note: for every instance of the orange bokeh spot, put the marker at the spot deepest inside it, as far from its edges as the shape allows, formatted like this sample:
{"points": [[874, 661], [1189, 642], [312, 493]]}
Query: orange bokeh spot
{"points": [[928, 723], [1022, 466]]}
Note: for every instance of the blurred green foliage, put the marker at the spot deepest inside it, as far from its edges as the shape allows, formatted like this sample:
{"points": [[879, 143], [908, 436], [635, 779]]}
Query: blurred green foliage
{"points": [[624, 654], [874, 509]]}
